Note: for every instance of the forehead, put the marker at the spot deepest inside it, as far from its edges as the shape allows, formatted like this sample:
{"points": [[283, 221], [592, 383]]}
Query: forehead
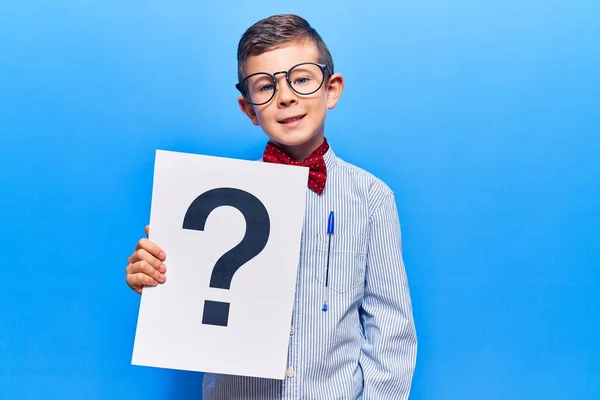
{"points": [[282, 57]]}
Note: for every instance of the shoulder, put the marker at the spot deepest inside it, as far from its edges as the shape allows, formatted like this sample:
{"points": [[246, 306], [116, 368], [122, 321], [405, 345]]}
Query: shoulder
{"points": [[374, 189]]}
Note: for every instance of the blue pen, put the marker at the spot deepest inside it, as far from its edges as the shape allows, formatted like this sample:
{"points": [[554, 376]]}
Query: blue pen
{"points": [[330, 223]]}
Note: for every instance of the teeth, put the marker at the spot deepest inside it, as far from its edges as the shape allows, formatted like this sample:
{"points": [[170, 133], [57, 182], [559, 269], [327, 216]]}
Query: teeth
{"points": [[285, 121]]}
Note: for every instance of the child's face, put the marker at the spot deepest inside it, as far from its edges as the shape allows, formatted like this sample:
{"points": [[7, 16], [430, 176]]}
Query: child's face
{"points": [[294, 121]]}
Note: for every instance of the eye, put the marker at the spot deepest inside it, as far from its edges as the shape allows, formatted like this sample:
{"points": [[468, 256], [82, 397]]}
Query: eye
{"points": [[301, 81], [265, 88]]}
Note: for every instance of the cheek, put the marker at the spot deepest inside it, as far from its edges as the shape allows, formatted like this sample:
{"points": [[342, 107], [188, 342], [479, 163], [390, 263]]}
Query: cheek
{"points": [[319, 103], [263, 114], [319, 107]]}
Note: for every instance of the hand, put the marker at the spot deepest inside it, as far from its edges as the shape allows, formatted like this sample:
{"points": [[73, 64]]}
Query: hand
{"points": [[146, 266]]}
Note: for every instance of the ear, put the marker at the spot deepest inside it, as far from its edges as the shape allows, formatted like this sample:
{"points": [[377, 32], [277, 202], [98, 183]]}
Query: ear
{"points": [[334, 88], [248, 109]]}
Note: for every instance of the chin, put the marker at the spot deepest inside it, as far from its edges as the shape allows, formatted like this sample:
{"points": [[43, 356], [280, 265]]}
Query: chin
{"points": [[294, 139]]}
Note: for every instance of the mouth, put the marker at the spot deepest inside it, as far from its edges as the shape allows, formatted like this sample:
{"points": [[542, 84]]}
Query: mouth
{"points": [[291, 120]]}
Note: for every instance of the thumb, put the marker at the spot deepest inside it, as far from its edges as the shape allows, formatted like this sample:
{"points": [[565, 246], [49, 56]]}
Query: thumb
{"points": [[147, 230]]}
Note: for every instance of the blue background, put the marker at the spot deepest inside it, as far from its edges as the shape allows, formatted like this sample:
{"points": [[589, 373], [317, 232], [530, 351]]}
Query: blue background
{"points": [[483, 117]]}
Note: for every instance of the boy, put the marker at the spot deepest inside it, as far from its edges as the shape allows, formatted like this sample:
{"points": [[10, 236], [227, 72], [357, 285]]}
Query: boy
{"points": [[352, 333]]}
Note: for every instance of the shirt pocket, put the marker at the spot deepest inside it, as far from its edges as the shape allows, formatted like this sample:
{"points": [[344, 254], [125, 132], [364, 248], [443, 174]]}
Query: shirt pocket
{"points": [[347, 260]]}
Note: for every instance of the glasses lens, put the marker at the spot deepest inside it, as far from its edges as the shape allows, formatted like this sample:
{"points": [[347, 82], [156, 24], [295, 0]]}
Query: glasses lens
{"points": [[259, 88], [306, 78]]}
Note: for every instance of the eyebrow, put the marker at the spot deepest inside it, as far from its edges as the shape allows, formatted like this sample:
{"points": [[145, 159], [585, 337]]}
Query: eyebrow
{"points": [[284, 70]]}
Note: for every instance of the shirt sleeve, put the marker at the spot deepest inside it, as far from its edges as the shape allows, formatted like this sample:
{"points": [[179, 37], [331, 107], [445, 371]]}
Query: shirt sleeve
{"points": [[389, 347]]}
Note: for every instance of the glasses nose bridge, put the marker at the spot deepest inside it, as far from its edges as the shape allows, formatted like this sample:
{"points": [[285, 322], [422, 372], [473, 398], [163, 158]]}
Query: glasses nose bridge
{"points": [[286, 73], [287, 81], [276, 79], [280, 72]]}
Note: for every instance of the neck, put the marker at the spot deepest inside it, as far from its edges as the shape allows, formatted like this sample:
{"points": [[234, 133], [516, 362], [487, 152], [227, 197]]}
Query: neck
{"points": [[302, 151]]}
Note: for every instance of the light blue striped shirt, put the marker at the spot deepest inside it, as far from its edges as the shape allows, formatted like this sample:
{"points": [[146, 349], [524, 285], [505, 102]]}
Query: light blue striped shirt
{"points": [[365, 345]]}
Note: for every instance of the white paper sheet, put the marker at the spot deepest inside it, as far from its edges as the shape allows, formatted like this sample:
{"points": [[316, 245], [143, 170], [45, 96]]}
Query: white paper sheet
{"points": [[170, 331]]}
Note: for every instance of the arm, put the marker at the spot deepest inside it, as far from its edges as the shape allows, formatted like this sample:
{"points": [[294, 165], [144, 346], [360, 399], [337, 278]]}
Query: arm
{"points": [[389, 347]]}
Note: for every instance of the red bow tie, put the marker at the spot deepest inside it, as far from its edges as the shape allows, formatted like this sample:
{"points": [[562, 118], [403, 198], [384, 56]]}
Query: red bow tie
{"points": [[317, 175]]}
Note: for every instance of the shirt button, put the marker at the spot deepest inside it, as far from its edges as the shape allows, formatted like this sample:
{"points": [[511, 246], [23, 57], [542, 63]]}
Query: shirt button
{"points": [[292, 331], [290, 373]]}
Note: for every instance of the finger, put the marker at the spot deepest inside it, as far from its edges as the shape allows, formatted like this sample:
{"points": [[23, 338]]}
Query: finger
{"points": [[134, 257], [137, 281], [145, 268], [147, 230], [142, 254], [151, 248]]}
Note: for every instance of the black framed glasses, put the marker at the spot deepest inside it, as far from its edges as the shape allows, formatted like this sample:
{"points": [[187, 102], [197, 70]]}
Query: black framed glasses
{"points": [[304, 78]]}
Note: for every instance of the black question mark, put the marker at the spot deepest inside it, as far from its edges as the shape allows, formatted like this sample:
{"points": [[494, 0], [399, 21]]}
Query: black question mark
{"points": [[254, 241]]}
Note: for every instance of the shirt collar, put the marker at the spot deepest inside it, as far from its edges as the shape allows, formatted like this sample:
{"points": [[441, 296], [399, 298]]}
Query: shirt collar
{"points": [[330, 157]]}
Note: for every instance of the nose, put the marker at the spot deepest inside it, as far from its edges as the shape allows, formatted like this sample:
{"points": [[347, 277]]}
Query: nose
{"points": [[285, 95]]}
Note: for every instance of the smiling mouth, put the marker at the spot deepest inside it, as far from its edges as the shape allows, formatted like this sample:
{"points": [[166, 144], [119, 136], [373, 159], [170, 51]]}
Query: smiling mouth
{"points": [[292, 119]]}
